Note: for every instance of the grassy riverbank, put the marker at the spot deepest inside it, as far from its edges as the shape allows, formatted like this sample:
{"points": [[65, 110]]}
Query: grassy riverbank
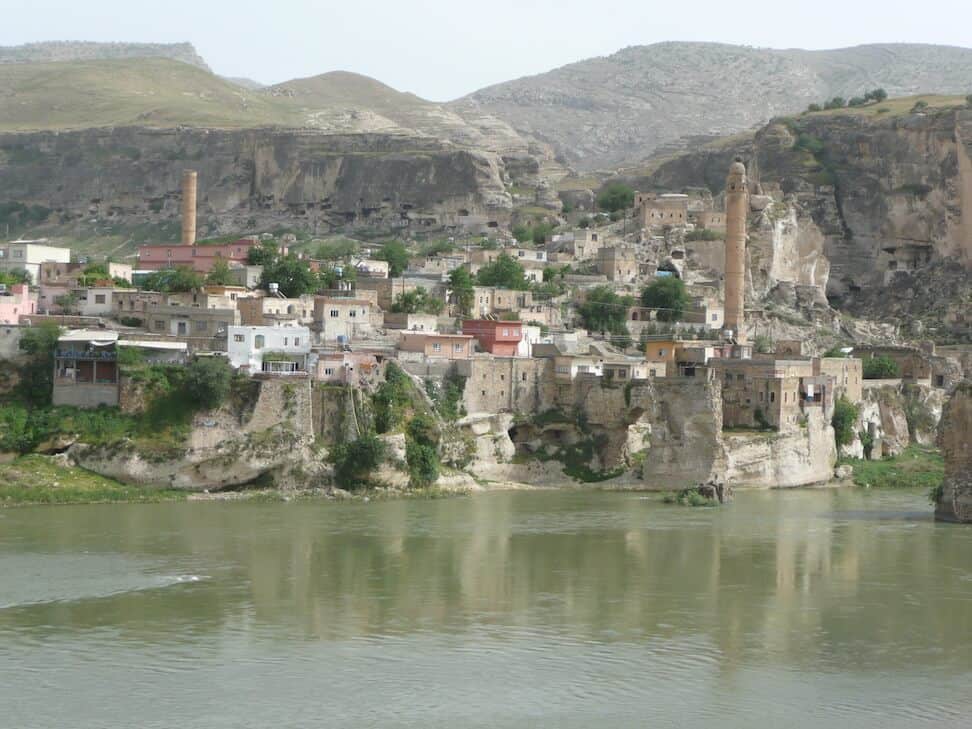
{"points": [[44, 480], [916, 467]]}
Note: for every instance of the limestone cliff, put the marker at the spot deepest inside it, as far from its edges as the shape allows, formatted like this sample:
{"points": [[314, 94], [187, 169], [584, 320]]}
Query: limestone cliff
{"points": [[873, 208], [273, 442], [955, 502]]}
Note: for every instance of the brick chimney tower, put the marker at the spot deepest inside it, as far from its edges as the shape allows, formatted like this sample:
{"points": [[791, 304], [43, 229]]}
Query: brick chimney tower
{"points": [[737, 206], [189, 178]]}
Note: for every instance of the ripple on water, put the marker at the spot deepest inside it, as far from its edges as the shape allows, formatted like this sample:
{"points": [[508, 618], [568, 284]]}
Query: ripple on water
{"points": [[34, 579]]}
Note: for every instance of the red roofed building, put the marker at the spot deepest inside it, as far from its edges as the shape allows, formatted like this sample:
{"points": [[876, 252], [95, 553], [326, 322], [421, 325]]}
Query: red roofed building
{"points": [[199, 258], [496, 337]]}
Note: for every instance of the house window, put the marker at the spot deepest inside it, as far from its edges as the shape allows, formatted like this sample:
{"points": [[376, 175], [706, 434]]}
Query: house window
{"points": [[661, 352], [258, 341], [524, 377], [296, 341], [506, 332], [286, 341], [457, 348], [772, 397], [328, 371], [99, 298], [239, 338], [436, 347], [740, 378], [516, 332], [502, 378], [563, 370], [651, 373], [483, 392], [159, 325], [353, 313], [334, 313]]}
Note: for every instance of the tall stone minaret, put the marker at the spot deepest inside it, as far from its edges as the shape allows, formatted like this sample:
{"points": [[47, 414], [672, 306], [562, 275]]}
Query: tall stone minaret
{"points": [[737, 205], [189, 207]]}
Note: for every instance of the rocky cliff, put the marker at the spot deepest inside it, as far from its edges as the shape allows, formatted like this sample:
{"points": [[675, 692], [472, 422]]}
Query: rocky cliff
{"points": [[49, 51], [605, 111], [955, 502], [873, 207]]}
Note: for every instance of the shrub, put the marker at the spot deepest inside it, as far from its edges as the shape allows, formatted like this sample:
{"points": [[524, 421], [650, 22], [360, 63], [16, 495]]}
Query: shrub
{"points": [[37, 373], [396, 254], [703, 234], [130, 321], [505, 272], [919, 106], [814, 107], [207, 381], [391, 398], [881, 367], [763, 344], [857, 101], [615, 196], [843, 420], [354, 461], [423, 464]]}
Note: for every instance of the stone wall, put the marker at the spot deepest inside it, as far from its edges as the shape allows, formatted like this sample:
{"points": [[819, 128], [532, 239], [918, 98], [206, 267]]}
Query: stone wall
{"points": [[955, 503]]}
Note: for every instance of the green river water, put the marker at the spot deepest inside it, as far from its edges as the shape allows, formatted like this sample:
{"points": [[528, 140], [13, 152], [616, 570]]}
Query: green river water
{"points": [[809, 608]]}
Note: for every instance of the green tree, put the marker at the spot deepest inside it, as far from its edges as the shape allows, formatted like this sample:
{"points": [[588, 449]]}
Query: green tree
{"points": [[207, 381], [337, 250], [37, 373], [668, 295], [838, 102], [522, 233], [14, 276], [172, 280], [843, 420], [814, 107], [584, 223], [418, 301], [880, 367], [220, 274], [292, 275], [355, 461], [263, 254], [857, 101], [505, 272], [877, 95], [606, 312], [615, 196], [397, 256], [463, 294], [423, 464]]}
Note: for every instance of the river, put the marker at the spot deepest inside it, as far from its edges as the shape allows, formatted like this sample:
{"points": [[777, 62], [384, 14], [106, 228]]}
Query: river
{"points": [[809, 608]]}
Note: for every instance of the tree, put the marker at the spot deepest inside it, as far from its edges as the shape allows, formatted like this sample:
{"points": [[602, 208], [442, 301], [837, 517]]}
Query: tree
{"points": [[397, 256], [505, 272], [881, 367], [14, 276], [37, 374], [418, 301], [292, 275], [421, 450], [814, 107], [263, 254], [668, 295], [857, 101], [207, 381], [843, 420], [584, 223], [171, 280], [877, 95], [463, 294], [329, 276], [354, 461], [337, 250], [615, 196], [838, 102], [606, 312], [220, 274]]}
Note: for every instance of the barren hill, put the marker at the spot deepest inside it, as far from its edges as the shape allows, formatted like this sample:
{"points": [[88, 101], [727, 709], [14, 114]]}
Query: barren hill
{"points": [[89, 51], [623, 107]]}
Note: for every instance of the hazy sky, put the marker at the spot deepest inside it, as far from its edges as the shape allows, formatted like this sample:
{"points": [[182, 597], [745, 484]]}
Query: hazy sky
{"points": [[441, 49]]}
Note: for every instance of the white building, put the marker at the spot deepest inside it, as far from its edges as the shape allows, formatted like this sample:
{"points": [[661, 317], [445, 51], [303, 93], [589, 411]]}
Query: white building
{"points": [[29, 255], [280, 350]]}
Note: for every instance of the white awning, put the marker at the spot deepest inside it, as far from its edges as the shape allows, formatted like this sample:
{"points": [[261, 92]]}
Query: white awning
{"points": [[97, 337], [174, 346]]}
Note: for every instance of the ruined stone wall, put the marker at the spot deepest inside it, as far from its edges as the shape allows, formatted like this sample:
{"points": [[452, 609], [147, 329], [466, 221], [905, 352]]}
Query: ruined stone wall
{"points": [[955, 503]]}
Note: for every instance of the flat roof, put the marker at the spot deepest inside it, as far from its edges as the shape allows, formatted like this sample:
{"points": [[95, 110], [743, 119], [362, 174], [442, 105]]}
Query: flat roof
{"points": [[89, 335]]}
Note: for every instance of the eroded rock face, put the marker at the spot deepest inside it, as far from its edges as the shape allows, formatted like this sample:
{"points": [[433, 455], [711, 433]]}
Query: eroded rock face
{"points": [[250, 179], [956, 441]]}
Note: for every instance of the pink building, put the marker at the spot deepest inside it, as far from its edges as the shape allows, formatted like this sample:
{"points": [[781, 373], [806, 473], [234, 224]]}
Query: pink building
{"points": [[15, 301], [200, 258]]}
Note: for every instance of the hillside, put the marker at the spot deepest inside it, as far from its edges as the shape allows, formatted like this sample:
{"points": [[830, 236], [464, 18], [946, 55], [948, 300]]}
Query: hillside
{"points": [[53, 51], [157, 92], [622, 108]]}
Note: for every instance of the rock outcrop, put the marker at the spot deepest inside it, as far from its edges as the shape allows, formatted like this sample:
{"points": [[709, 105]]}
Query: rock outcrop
{"points": [[873, 208], [955, 502]]}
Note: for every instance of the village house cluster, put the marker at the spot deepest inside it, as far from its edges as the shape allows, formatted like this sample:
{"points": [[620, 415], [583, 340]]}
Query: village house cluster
{"points": [[505, 341]]}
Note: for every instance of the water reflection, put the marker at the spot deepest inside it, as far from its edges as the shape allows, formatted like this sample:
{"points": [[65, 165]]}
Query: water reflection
{"points": [[806, 578]]}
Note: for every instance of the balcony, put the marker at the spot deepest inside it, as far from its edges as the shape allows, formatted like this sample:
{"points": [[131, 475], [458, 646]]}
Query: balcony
{"points": [[108, 355]]}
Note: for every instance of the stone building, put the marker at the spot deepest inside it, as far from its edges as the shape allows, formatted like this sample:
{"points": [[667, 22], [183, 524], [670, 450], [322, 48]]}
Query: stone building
{"points": [[258, 311], [494, 300], [714, 220], [846, 374], [670, 209], [341, 319], [437, 346], [770, 393], [619, 264]]}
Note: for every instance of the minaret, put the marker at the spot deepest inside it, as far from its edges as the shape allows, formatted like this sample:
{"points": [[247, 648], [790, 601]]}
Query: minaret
{"points": [[189, 207], [737, 204]]}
